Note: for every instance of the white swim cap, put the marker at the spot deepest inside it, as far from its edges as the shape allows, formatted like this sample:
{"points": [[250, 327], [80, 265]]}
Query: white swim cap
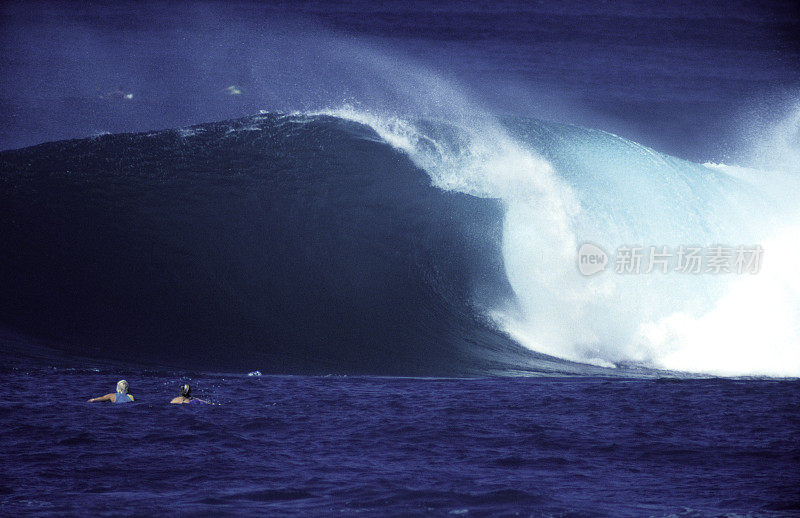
{"points": [[122, 387]]}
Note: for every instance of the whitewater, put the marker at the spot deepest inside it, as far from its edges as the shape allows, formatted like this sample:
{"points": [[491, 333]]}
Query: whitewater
{"points": [[562, 186]]}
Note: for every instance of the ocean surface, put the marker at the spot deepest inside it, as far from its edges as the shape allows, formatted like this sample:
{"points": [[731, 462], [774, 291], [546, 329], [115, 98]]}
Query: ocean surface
{"points": [[378, 446]]}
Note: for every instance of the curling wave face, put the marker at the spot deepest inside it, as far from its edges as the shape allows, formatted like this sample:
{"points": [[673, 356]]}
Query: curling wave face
{"points": [[285, 243], [304, 243]]}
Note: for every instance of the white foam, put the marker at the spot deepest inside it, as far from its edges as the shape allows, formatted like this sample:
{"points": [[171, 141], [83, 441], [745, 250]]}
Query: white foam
{"points": [[752, 329], [190, 132], [690, 323]]}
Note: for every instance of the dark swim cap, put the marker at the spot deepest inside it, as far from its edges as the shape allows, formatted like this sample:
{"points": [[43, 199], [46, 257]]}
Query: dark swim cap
{"points": [[186, 391]]}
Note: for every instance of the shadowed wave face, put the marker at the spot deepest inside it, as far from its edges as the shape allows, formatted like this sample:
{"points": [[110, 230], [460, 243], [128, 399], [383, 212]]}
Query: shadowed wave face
{"points": [[288, 244]]}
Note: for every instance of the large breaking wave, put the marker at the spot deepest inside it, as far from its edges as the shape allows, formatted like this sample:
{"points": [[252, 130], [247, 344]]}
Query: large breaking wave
{"points": [[565, 185], [305, 243]]}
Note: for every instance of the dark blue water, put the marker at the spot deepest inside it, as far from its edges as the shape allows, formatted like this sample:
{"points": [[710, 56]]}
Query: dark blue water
{"points": [[294, 445]]}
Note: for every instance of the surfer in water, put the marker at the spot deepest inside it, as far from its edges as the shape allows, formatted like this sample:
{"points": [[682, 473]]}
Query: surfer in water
{"points": [[185, 397], [121, 396]]}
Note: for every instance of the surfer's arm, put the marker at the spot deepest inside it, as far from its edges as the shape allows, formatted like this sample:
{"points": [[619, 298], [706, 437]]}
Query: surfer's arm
{"points": [[107, 397], [177, 401]]}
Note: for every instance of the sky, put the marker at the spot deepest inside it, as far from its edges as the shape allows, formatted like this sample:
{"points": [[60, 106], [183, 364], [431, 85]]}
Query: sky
{"points": [[691, 79]]}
